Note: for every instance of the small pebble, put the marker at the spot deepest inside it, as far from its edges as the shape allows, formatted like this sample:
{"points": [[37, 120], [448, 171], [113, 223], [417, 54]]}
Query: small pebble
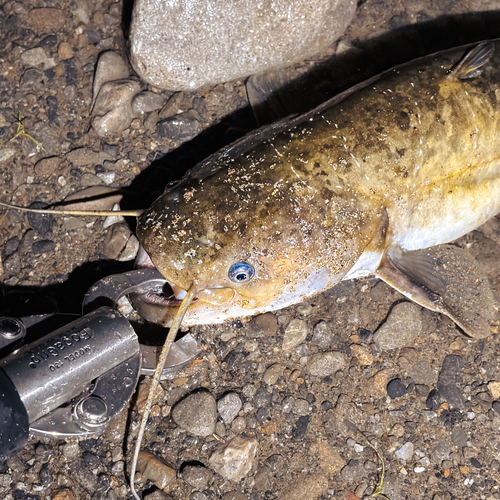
{"points": [[363, 354], [63, 494], [273, 373], [118, 467], [459, 437], [303, 309], [458, 344], [6, 154], [433, 400], [196, 414], [263, 479], [396, 388], [46, 166], [36, 56], [43, 246], [6, 480], [295, 334], [65, 51], [229, 407], [353, 471], [179, 128], [234, 495], [405, 452], [301, 407], [322, 335], [305, 486], [238, 425], [145, 102], [300, 428], [130, 251], [325, 364], [115, 240], [196, 476], [155, 469], [263, 325], [71, 450], [12, 264], [235, 460], [262, 414], [276, 463], [45, 476], [43, 450], [447, 385], [80, 157], [198, 495], [112, 112], [494, 388], [41, 223], [117, 454], [91, 459], [442, 450], [110, 66], [364, 335], [401, 328], [262, 397], [220, 429], [157, 495], [287, 404]]}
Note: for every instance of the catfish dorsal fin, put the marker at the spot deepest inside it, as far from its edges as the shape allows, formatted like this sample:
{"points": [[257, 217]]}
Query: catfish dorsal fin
{"points": [[472, 64]]}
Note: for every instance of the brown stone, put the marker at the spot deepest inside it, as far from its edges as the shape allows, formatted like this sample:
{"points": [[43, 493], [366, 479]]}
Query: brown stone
{"points": [[363, 354], [329, 458], [380, 379], [46, 19], [494, 388], [47, 166], [310, 486], [64, 494], [115, 240], [155, 469], [64, 50]]}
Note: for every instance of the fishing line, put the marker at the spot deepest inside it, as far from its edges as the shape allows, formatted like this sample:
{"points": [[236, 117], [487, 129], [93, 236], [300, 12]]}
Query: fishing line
{"points": [[156, 378]]}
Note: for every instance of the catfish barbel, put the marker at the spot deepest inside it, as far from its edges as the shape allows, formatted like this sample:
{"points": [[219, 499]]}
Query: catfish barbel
{"points": [[361, 185]]}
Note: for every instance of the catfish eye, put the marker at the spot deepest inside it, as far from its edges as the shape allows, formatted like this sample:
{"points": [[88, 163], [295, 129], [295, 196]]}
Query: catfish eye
{"points": [[241, 272]]}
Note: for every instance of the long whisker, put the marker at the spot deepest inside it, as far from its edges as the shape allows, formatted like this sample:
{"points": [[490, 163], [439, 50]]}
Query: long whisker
{"points": [[156, 379], [89, 213]]}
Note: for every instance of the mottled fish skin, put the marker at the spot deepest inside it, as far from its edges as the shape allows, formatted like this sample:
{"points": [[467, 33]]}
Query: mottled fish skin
{"points": [[410, 161]]}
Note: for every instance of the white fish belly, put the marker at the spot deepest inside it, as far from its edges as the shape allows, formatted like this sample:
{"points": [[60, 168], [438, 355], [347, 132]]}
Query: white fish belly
{"points": [[445, 215]]}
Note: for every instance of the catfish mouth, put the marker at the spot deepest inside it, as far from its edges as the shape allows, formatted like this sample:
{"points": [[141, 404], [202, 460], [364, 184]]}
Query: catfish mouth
{"points": [[165, 295]]}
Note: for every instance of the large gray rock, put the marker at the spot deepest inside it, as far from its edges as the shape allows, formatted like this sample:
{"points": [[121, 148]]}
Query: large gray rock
{"points": [[185, 44]]}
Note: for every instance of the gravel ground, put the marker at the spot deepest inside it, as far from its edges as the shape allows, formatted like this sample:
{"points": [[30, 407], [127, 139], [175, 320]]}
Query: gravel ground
{"points": [[304, 388]]}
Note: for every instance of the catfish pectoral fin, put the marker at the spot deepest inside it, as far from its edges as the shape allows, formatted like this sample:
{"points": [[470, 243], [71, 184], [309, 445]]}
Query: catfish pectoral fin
{"points": [[444, 279]]}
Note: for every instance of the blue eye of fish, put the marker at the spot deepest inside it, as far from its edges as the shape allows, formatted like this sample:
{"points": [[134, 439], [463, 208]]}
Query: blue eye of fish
{"points": [[241, 272]]}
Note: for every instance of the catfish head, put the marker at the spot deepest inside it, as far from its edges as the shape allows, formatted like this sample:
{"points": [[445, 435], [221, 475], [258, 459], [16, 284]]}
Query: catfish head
{"points": [[252, 240]]}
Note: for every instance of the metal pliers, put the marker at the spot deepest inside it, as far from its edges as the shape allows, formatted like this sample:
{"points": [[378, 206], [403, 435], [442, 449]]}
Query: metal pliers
{"points": [[73, 381]]}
